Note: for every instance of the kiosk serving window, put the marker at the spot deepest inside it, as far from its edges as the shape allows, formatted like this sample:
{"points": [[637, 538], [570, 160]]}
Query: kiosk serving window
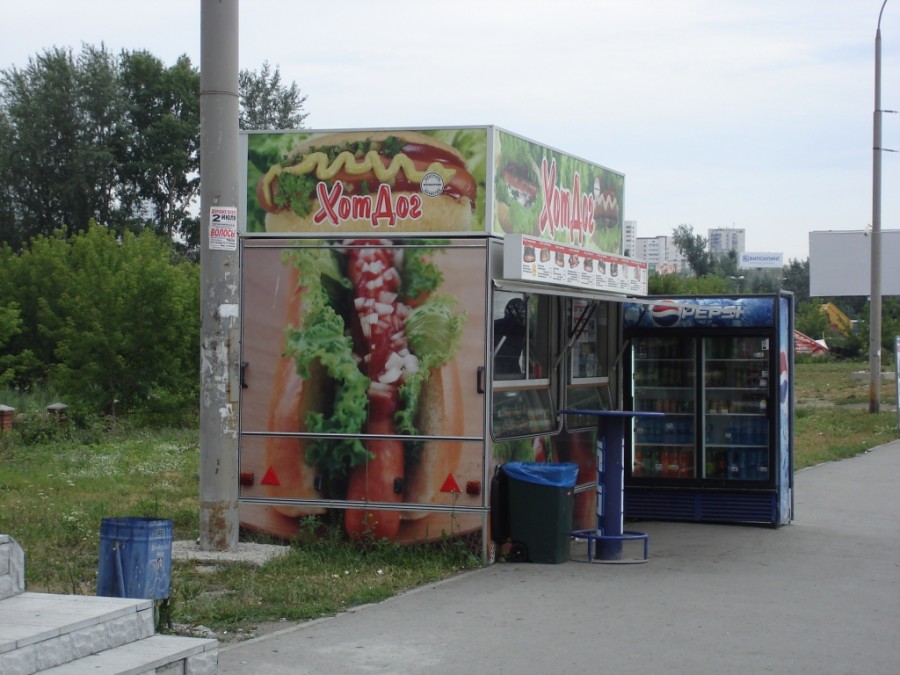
{"points": [[521, 337], [589, 356], [521, 365]]}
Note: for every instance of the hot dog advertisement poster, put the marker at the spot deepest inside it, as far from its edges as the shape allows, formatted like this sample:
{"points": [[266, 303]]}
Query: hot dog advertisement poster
{"points": [[416, 307]]}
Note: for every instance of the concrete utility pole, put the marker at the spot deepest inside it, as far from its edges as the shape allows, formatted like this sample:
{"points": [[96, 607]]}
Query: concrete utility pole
{"points": [[875, 299], [219, 275]]}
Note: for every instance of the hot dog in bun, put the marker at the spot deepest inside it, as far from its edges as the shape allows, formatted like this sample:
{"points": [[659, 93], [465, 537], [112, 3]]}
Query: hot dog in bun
{"points": [[368, 359], [517, 185], [394, 181]]}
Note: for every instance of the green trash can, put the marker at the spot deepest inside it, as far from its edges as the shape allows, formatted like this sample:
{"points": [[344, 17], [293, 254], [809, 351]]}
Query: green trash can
{"points": [[541, 499]]}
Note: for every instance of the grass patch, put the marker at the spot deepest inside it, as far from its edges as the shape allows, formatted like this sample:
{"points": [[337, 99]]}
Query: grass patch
{"points": [[56, 486], [317, 578], [831, 416], [831, 433]]}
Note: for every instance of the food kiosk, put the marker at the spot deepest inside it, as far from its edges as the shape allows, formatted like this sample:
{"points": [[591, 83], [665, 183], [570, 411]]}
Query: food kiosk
{"points": [[419, 306]]}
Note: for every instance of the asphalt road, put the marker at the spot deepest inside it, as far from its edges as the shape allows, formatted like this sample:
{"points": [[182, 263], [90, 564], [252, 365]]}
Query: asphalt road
{"points": [[821, 595]]}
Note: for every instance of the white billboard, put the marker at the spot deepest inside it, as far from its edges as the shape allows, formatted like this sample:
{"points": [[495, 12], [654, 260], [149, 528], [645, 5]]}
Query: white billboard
{"points": [[839, 262], [760, 260]]}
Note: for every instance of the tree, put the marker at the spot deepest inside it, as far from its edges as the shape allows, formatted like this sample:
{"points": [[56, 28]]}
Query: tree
{"points": [[268, 104], [34, 281], [114, 140], [810, 319], [8, 230], [796, 280], [162, 162], [63, 130], [693, 248], [131, 325], [675, 284], [10, 326], [110, 322]]}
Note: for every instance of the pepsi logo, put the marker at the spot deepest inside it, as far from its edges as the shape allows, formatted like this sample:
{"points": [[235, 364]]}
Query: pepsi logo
{"points": [[665, 315]]}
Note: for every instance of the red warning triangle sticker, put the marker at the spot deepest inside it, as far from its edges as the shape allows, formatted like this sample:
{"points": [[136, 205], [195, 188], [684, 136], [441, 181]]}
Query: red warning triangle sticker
{"points": [[271, 478], [450, 484]]}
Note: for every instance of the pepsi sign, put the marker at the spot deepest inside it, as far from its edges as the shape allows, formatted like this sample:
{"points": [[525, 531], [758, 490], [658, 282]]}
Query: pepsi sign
{"points": [[721, 312]]}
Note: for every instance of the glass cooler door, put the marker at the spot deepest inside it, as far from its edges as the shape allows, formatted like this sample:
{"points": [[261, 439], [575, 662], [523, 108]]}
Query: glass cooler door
{"points": [[663, 381], [735, 399]]}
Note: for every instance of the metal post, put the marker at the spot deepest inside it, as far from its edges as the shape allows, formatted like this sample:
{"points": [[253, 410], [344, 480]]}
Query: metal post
{"points": [[219, 277], [875, 299]]}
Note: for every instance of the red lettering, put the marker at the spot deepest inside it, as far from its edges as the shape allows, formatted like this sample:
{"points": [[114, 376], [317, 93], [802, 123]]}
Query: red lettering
{"points": [[587, 213], [344, 209], [362, 209], [384, 209], [402, 207], [335, 207], [327, 202], [548, 187], [415, 207], [565, 209]]}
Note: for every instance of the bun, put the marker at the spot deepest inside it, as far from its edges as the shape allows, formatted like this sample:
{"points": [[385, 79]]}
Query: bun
{"points": [[441, 414], [342, 137], [292, 398]]}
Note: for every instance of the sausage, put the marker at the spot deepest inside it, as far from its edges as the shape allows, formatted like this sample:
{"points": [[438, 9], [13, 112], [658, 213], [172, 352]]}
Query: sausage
{"points": [[375, 481]]}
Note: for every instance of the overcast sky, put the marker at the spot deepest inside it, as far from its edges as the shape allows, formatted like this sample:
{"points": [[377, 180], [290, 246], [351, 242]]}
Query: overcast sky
{"points": [[720, 113]]}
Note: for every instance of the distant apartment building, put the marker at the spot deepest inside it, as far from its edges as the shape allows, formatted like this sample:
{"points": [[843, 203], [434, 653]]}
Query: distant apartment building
{"points": [[629, 233], [724, 239], [651, 249], [661, 253]]}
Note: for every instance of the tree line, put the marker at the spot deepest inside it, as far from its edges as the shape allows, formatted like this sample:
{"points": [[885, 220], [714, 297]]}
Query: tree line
{"points": [[99, 232], [114, 140]]}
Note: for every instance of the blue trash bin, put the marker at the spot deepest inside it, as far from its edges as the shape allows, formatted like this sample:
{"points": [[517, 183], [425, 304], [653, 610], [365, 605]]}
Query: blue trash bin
{"points": [[135, 558], [541, 500]]}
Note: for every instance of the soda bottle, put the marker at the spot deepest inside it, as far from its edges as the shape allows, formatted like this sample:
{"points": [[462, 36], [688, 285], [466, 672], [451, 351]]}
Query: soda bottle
{"points": [[734, 464], [686, 464], [756, 458], [763, 466], [637, 466], [674, 466]]}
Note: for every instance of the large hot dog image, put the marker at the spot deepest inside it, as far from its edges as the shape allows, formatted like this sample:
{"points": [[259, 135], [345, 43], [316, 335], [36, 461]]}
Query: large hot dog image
{"points": [[398, 181], [369, 359]]}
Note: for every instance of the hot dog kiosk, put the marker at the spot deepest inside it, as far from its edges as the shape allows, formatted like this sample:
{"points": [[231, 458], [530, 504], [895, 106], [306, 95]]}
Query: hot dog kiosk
{"points": [[417, 307]]}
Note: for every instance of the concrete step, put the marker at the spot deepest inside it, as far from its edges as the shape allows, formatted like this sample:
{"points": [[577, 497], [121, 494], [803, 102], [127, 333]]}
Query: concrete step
{"points": [[12, 567], [163, 654], [42, 631]]}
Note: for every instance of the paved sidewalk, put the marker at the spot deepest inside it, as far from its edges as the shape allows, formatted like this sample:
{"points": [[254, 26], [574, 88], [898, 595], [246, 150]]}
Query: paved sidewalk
{"points": [[819, 596]]}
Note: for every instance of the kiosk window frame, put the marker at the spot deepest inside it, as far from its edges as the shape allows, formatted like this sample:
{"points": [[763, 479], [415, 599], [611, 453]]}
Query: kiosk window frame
{"points": [[522, 400], [590, 343]]}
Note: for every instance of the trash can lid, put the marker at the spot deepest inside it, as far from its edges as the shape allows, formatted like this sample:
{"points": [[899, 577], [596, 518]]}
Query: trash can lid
{"points": [[553, 474]]}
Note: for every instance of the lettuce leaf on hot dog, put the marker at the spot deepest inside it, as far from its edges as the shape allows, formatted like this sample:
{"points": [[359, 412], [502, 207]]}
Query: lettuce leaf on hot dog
{"points": [[321, 339], [434, 330]]}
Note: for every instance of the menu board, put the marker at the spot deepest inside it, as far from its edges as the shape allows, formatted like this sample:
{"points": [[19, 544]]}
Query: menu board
{"points": [[530, 259]]}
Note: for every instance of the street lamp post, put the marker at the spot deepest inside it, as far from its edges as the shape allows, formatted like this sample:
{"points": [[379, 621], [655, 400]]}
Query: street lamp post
{"points": [[875, 300]]}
